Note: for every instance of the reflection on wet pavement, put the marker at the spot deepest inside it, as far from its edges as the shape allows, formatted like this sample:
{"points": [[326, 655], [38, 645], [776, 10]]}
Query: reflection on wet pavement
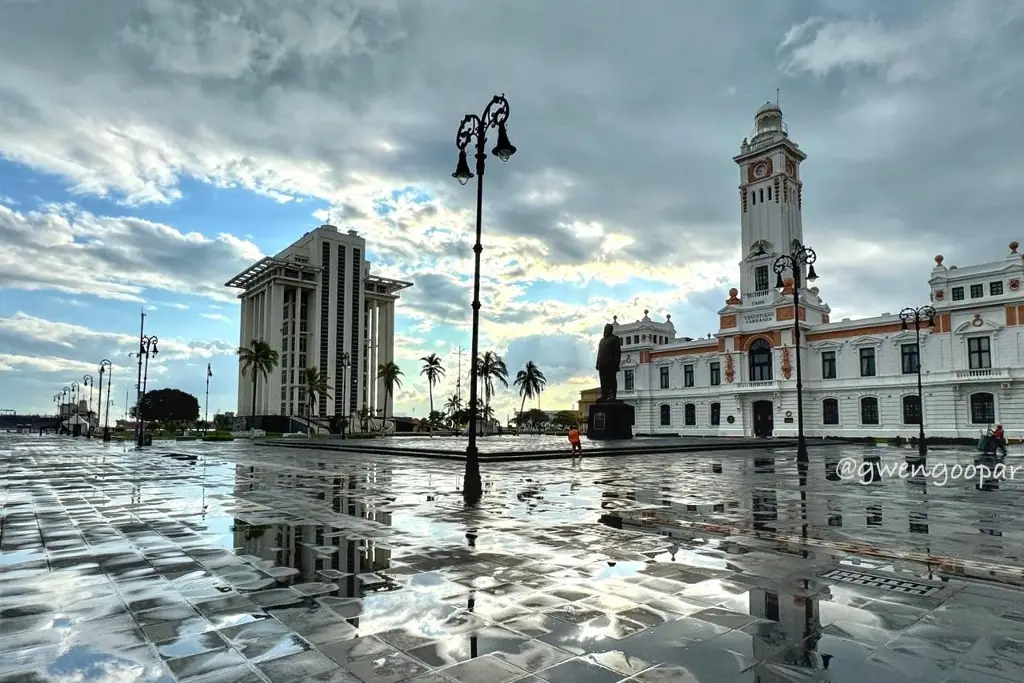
{"points": [[251, 564]]}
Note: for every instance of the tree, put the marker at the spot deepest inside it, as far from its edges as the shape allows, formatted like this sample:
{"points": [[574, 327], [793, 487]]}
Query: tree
{"points": [[170, 405], [531, 382], [567, 418], [536, 417], [258, 359], [317, 384], [490, 368], [391, 374], [452, 406], [434, 371]]}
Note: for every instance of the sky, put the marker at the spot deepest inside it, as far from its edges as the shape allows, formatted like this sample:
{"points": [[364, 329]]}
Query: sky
{"points": [[151, 149]]}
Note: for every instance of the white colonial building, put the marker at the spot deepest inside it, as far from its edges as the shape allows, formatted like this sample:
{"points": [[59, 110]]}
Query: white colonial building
{"points": [[317, 304], [859, 376]]}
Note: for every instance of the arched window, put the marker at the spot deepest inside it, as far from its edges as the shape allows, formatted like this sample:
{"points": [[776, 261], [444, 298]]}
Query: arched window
{"points": [[760, 357], [666, 415], [716, 414], [983, 408], [830, 411], [689, 414], [911, 409], [869, 410]]}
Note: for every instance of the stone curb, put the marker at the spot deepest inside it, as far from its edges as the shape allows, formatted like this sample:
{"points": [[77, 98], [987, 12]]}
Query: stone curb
{"points": [[436, 454]]}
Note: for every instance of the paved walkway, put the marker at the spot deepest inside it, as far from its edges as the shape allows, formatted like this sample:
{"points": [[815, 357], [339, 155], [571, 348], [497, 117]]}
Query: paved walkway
{"points": [[249, 564]]}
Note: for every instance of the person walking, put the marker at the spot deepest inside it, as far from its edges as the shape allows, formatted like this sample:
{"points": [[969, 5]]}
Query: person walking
{"points": [[574, 442]]}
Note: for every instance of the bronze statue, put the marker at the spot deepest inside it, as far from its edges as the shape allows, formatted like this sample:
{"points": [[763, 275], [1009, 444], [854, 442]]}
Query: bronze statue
{"points": [[609, 355]]}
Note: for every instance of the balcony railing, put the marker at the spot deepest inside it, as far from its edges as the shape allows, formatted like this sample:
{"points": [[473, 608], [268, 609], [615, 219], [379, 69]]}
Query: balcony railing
{"points": [[983, 373]]}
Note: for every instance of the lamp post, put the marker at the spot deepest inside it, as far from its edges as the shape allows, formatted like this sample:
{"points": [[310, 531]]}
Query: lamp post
{"points": [[346, 363], [799, 257], [472, 128], [206, 403], [916, 316], [147, 346], [105, 367], [88, 381], [65, 401]]}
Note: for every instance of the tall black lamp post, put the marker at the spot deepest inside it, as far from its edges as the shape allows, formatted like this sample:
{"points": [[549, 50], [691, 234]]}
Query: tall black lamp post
{"points": [[917, 316], [105, 367], [346, 363], [795, 261], [88, 381], [474, 128], [147, 346]]}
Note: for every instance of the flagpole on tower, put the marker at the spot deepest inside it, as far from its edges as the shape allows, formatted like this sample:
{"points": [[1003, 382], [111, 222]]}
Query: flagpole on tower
{"points": [[206, 403]]}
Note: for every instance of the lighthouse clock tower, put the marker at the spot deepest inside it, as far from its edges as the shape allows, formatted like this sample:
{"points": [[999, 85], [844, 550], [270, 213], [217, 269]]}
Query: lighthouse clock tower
{"points": [[771, 205]]}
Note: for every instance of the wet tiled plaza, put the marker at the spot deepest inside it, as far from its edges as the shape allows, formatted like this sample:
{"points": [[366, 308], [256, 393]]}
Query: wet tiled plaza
{"points": [[228, 562]]}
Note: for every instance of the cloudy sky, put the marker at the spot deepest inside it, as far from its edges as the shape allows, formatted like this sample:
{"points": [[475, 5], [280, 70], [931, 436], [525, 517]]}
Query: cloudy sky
{"points": [[150, 149]]}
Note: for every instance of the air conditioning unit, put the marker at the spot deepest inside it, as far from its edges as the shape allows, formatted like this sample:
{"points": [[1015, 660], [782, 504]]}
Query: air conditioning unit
{"points": [[1004, 385]]}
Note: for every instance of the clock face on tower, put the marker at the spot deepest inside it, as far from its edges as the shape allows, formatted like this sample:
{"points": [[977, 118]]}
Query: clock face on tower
{"points": [[759, 170]]}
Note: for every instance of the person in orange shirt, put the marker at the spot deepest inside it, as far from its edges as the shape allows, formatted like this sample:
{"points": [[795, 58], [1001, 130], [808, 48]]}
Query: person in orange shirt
{"points": [[999, 437], [574, 442]]}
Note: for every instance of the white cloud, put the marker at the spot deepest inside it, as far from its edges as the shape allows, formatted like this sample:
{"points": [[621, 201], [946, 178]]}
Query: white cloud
{"points": [[215, 316], [65, 249]]}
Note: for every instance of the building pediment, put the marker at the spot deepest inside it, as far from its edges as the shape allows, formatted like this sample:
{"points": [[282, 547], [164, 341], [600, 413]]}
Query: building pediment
{"points": [[907, 337], [867, 340], [828, 345], [978, 324]]}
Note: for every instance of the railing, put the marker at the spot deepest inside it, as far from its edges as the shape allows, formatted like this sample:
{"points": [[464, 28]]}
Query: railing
{"points": [[982, 373]]}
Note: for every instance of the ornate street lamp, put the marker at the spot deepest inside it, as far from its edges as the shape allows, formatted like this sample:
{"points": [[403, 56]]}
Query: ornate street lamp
{"points": [[346, 363], [105, 367], [916, 316], [88, 381], [474, 128], [147, 346], [795, 261]]}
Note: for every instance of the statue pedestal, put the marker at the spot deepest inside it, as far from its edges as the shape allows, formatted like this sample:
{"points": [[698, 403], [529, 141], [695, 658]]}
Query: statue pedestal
{"points": [[610, 420]]}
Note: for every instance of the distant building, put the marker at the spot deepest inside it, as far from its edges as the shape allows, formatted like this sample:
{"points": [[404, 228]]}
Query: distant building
{"points": [[314, 302], [588, 397], [859, 376]]}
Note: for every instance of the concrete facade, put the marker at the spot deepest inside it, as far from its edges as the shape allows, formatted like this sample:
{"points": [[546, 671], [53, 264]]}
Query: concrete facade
{"points": [[314, 302], [859, 376]]}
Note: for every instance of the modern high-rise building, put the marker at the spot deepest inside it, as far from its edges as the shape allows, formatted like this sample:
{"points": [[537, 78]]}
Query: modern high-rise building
{"points": [[317, 305]]}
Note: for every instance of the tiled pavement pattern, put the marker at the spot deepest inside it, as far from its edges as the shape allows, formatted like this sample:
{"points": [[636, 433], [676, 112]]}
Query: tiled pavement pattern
{"points": [[246, 565]]}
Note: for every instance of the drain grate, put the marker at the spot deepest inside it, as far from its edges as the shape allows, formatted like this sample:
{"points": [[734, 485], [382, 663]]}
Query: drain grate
{"points": [[884, 583]]}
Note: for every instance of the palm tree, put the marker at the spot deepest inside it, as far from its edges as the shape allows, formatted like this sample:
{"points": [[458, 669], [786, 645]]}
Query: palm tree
{"points": [[453, 406], [434, 371], [531, 382], [391, 374], [259, 359], [317, 385], [490, 367]]}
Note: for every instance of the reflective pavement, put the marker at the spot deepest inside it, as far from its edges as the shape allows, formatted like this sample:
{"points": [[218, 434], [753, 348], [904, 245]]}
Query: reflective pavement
{"points": [[225, 562]]}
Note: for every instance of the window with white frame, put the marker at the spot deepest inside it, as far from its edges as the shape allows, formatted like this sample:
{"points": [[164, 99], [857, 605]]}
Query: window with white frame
{"points": [[869, 410], [867, 361], [979, 353], [666, 415], [663, 374], [983, 408], [830, 411], [911, 404]]}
